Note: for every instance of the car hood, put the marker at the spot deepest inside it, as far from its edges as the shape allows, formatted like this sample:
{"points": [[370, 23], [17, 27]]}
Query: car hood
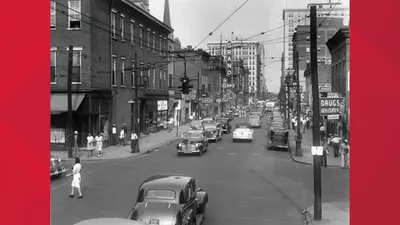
{"points": [[254, 121], [191, 141], [165, 212]]}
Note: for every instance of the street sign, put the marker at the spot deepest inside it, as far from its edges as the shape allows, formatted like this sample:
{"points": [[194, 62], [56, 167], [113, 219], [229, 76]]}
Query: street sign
{"points": [[330, 105], [333, 117], [229, 59], [333, 95], [317, 150]]}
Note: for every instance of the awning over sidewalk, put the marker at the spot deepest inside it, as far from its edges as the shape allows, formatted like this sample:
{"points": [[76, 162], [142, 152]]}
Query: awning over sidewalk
{"points": [[59, 102]]}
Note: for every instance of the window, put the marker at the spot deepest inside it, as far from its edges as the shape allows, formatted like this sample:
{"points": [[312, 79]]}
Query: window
{"points": [[114, 69], [154, 42], [154, 78], [308, 38], [165, 79], [319, 49], [170, 81], [160, 79], [113, 18], [53, 59], [141, 73], [122, 72], [133, 74], [52, 14], [141, 36], [209, 87], [122, 25], [160, 45], [307, 49], [169, 55], [132, 32], [74, 14], [76, 65], [148, 75], [148, 39]]}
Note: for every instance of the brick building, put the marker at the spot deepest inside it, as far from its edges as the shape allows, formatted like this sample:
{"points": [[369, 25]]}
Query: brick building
{"points": [[105, 36], [339, 47], [197, 70], [216, 72], [301, 44], [324, 80]]}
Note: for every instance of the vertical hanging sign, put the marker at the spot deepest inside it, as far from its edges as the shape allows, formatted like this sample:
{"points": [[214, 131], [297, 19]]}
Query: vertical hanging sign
{"points": [[229, 59]]}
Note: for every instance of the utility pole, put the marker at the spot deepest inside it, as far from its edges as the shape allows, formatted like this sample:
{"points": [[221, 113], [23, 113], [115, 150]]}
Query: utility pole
{"points": [[136, 103], [288, 88], [298, 139], [69, 87], [198, 94], [316, 114], [284, 100]]}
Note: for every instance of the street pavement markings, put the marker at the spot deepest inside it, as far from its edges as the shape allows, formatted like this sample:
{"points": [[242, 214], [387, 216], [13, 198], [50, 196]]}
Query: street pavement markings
{"points": [[257, 154], [232, 153]]}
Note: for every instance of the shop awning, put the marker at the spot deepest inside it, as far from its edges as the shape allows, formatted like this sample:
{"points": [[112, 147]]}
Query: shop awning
{"points": [[59, 102]]}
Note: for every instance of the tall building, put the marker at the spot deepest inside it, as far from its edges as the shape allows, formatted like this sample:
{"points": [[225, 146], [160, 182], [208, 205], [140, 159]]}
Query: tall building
{"points": [[294, 17], [104, 72], [251, 52]]}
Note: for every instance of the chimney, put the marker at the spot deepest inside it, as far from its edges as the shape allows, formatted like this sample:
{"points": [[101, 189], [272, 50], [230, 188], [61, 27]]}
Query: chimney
{"points": [[189, 47]]}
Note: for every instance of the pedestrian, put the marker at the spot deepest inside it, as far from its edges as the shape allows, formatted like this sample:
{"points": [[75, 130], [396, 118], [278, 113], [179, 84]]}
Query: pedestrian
{"points": [[308, 122], [134, 142], [99, 144], [125, 128], [170, 124], [76, 180], [191, 118], [335, 141], [90, 145], [322, 131], [122, 137], [344, 151], [114, 135], [293, 123], [325, 154]]}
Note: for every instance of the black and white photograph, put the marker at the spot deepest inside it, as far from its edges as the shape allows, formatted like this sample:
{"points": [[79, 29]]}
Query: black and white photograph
{"points": [[189, 112]]}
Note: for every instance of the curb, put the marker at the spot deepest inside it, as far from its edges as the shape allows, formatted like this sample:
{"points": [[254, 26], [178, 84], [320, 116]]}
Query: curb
{"points": [[306, 163], [132, 156]]}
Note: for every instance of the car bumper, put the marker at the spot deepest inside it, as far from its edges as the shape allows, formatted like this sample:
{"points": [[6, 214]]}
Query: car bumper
{"points": [[212, 138], [255, 125], [188, 151], [58, 172], [225, 130], [242, 138]]}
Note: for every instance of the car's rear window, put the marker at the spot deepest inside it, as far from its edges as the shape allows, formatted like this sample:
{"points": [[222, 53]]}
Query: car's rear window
{"points": [[160, 194]]}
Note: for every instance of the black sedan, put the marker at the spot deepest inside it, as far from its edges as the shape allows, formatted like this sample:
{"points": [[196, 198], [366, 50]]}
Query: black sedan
{"points": [[193, 142]]}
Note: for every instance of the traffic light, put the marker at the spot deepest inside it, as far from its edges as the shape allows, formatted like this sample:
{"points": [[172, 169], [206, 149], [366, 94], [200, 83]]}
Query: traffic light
{"points": [[186, 86]]}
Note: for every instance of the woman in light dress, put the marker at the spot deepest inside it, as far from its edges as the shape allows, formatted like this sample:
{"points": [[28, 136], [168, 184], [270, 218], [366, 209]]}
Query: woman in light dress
{"points": [[76, 181], [99, 144], [90, 145]]}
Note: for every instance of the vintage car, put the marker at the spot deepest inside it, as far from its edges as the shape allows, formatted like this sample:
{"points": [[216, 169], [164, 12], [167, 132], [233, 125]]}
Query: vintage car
{"points": [[213, 131], [170, 200], [243, 131], [197, 125], [110, 221], [226, 127], [56, 167], [193, 142], [255, 121], [278, 137], [208, 120]]}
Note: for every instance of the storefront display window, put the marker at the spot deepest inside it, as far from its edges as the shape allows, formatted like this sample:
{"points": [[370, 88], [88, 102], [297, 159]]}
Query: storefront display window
{"points": [[162, 108], [57, 135]]}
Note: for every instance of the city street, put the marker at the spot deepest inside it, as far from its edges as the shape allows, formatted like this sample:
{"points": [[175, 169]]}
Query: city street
{"points": [[246, 184]]}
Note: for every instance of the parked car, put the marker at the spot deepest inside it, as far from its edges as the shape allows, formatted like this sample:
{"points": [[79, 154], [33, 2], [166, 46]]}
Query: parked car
{"points": [[226, 127], [243, 131], [197, 125], [110, 221], [193, 142], [56, 166], [170, 200], [278, 137], [255, 121], [213, 131], [209, 120]]}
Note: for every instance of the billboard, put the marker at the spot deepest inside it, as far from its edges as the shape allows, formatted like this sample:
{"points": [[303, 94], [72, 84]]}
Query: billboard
{"points": [[331, 105], [229, 59]]}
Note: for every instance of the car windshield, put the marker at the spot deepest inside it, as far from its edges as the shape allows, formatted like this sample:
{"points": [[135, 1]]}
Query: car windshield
{"points": [[212, 127], [254, 117], [193, 135], [160, 194]]}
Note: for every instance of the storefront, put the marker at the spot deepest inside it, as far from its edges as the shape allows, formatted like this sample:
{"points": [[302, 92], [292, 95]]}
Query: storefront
{"points": [[162, 112]]}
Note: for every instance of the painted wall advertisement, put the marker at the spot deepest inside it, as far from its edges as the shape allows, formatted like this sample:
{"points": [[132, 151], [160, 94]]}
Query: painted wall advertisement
{"points": [[162, 105]]}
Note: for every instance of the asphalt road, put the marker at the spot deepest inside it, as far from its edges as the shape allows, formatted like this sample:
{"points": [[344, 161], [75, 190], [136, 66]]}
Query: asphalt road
{"points": [[246, 184]]}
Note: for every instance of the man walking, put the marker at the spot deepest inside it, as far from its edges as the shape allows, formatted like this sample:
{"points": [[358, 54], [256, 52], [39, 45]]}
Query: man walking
{"points": [[325, 154], [335, 144], [114, 135], [344, 151], [122, 137], [134, 142]]}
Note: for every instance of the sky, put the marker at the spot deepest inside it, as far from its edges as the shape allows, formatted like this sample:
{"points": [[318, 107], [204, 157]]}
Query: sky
{"points": [[193, 20]]}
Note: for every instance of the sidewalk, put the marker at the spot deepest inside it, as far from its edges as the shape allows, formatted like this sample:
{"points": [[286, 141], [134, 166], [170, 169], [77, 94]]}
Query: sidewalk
{"points": [[334, 213], [147, 144], [306, 144]]}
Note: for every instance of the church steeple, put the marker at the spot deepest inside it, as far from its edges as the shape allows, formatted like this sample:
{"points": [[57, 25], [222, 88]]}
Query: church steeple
{"points": [[167, 17]]}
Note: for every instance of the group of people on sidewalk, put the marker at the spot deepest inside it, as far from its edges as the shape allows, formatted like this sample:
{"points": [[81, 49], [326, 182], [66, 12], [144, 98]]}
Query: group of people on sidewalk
{"points": [[338, 146]]}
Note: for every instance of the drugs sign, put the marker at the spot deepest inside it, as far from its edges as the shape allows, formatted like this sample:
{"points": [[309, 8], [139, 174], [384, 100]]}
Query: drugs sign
{"points": [[331, 106]]}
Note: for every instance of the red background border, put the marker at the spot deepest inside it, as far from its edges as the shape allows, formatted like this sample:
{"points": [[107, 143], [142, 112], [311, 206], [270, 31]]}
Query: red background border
{"points": [[24, 113], [25, 117]]}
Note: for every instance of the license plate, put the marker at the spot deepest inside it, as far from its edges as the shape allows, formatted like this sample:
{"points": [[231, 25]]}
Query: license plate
{"points": [[154, 221]]}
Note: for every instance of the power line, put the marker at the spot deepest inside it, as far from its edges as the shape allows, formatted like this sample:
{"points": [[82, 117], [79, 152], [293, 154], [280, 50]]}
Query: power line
{"points": [[211, 33]]}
